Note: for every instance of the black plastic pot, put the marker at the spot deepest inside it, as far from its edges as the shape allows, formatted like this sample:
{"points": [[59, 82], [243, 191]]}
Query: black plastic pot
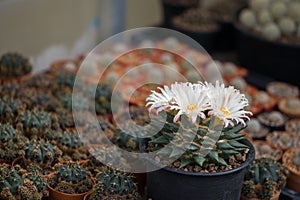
{"points": [[171, 10], [226, 38], [169, 184], [207, 39], [271, 58]]}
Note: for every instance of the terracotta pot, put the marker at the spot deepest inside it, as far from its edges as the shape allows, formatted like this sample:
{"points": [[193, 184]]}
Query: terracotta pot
{"points": [[87, 196], [55, 195], [275, 197], [293, 181]]}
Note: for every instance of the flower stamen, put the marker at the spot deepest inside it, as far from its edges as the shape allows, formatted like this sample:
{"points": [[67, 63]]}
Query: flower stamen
{"points": [[191, 107], [225, 110]]}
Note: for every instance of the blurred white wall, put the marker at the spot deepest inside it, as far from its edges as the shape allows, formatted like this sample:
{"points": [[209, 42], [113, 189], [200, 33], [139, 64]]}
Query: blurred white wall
{"points": [[47, 30]]}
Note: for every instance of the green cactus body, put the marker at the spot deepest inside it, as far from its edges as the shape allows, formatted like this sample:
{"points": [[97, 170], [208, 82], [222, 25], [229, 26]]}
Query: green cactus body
{"points": [[9, 109], [264, 177], [34, 123], [10, 178], [12, 148], [41, 152], [103, 99], [115, 183], [7, 132], [71, 178], [72, 173], [222, 143], [37, 180], [70, 141], [28, 191], [14, 65]]}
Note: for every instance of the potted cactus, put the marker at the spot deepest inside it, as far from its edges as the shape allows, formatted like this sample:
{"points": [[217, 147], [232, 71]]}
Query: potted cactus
{"points": [[264, 180], [264, 150], [14, 66], [291, 158], [34, 123], [42, 153], [199, 149], [282, 140], [113, 184], [70, 182], [14, 187], [12, 142]]}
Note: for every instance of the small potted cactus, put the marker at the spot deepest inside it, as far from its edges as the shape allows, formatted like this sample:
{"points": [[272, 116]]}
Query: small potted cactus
{"points": [[42, 153], [12, 142], [216, 153], [14, 187], [14, 66], [274, 120], [9, 109], [293, 126], [291, 158], [70, 182], [256, 130], [264, 179], [283, 140], [34, 123], [290, 107], [112, 184], [264, 150]]}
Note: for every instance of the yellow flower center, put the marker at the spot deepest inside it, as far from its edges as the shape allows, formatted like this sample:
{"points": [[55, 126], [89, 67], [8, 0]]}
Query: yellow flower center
{"points": [[225, 110], [191, 107]]}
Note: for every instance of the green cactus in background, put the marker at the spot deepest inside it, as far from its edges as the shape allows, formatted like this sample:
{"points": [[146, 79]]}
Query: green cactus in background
{"points": [[71, 178], [41, 152], [70, 141], [10, 178], [116, 184], [7, 132], [37, 180], [9, 109], [34, 123], [211, 143], [14, 65], [127, 137], [103, 99], [264, 177], [12, 149], [28, 191]]}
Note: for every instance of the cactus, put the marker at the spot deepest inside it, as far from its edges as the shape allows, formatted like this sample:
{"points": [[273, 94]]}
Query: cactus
{"points": [[71, 178], [278, 9], [12, 148], [10, 178], [264, 178], [271, 31], [41, 152], [253, 126], [293, 10], [37, 180], [227, 146], [287, 25], [9, 109], [258, 5], [7, 132], [70, 141], [115, 184], [247, 18], [103, 99], [239, 83], [14, 65], [127, 137], [34, 123], [28, 191]]}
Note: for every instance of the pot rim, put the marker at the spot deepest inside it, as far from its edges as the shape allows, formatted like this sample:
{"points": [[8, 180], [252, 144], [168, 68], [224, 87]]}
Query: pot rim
{"points": [[250, 158], [240, 29]]}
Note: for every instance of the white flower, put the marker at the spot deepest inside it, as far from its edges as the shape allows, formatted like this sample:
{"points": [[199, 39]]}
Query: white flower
{"points": [[160, 101], [191, 99], [227, 103]]}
